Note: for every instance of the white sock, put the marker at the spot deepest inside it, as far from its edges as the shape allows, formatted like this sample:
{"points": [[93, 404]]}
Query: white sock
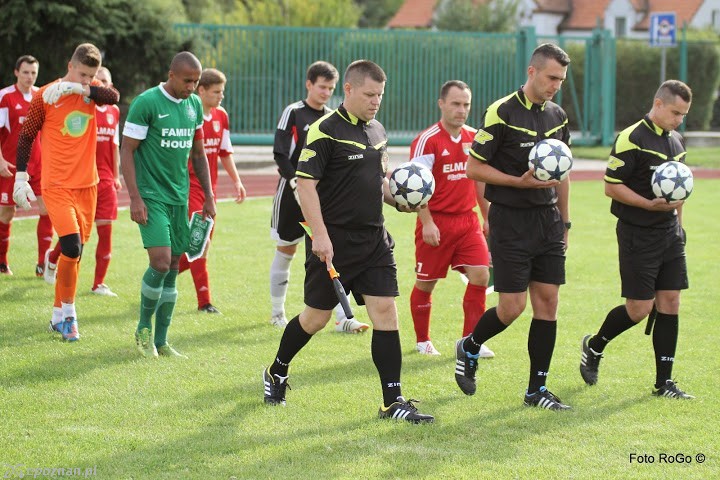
{"points": [[340, 313], [279, 278], [68, 310], [57, 315]]}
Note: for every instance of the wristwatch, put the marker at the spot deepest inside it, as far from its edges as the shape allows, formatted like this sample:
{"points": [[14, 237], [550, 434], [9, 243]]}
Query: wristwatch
{"points": [[568, 225]]}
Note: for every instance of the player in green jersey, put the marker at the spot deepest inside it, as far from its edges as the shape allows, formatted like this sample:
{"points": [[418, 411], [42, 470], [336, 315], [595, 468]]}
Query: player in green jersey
{"points": [[163, 128]]}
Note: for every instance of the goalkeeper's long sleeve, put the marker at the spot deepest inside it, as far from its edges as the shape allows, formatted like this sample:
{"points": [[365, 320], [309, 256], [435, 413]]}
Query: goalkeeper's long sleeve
{"points": [[31, 126], [104, 95]]}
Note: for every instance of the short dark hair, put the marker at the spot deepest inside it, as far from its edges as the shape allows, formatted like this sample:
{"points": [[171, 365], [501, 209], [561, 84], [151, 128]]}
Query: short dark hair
{"points": [[88, 55], [359, 70], [185, 58], [549, 51], [672, 88], [25, 59], [450, 84], [211, 76], [321, 69]]}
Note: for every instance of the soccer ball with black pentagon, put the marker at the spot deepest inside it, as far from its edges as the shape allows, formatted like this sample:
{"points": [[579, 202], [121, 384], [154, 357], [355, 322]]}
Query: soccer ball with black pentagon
{"points": [[412, 184], [551, 159], [672, 181]]}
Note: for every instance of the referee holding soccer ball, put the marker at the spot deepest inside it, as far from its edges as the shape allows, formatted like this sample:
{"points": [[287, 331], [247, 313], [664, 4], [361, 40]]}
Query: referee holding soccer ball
{"points": [[651, 241], [342, 186], [528, 221]]}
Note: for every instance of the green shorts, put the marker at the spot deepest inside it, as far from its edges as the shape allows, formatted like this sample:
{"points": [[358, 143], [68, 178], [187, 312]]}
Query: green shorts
{"points": [[167, 226]]}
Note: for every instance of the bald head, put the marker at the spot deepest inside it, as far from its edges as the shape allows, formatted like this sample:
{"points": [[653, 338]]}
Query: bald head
{"points": [[185, 60]]}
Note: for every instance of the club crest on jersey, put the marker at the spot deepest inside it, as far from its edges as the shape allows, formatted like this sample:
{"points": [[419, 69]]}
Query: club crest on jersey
{"points": [[306, 155], [466, 148], [614, 163], [482, 136], [192, 115], [76, 124], [110, 118], [216, 126]]}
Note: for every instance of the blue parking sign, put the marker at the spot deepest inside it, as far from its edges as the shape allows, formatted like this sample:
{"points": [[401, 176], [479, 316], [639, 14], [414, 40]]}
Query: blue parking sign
{"points": [[663, 29]]}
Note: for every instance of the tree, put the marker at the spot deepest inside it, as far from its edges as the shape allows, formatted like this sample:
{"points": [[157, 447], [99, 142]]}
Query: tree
{"points": [[136, 38], [474, 16], [377, 13]]}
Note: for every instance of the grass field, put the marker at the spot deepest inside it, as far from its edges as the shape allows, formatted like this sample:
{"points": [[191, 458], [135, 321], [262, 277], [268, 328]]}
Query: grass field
{"points": [[95, 404], [707, 157]]}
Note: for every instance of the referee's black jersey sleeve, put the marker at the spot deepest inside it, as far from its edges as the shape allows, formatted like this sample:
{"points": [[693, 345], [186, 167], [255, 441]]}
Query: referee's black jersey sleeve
{"points": [[346, 156], [511, 127]]}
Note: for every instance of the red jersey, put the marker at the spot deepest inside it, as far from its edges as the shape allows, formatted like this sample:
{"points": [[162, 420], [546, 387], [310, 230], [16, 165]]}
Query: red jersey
{"points": [[13, 109], [108, 138], [216, 131], [447, 158]]}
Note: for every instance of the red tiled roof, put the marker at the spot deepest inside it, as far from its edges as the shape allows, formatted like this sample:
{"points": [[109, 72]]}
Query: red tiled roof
{"points": [[584, 14], [414, 14], [684, 10], [553, 6]]}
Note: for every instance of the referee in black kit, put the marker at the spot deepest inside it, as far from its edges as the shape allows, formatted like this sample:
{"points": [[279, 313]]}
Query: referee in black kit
{"points": [[651, 241], [528, 219], [342, 185]]}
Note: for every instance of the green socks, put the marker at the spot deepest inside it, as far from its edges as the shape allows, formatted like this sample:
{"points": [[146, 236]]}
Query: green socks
{"points": [[150, 292], [165, 307]]}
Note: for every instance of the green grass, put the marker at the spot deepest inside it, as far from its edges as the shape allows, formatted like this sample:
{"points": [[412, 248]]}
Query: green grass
{"points": [[95, 403], [707, 157]]}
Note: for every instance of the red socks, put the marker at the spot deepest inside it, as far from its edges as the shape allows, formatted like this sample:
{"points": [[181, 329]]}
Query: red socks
{"points": [[198, 268], [4, 241], [420, 306], [102, 253], [44, 237], [473, 307]]}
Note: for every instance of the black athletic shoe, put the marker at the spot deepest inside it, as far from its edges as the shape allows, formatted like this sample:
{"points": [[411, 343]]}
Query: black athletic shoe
{"points": [[275, 386], [465, 368], [405, 410], [39, 270], [671, 390], [589, 362], [544, 398], [209, 308], [5, 269]]}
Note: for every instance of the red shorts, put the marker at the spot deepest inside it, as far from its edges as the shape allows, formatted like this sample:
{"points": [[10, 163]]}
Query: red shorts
{"points": [[107, 201], [196, 200], [71, 210], [7, 185], [462, 244]]}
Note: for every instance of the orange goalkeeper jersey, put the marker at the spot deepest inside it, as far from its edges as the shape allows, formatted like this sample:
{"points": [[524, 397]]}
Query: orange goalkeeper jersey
{"points": [[69, 134]]}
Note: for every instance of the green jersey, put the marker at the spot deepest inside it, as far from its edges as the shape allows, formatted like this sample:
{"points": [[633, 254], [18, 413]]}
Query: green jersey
{"points": [[166, 127]]}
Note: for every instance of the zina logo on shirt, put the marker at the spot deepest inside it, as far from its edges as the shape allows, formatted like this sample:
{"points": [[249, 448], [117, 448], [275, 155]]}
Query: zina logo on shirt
{"points": [[76, 124]]}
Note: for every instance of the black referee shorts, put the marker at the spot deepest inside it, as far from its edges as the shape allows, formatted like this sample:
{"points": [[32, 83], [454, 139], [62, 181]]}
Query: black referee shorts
{"points": [[527, 244], [365, 261], [651, 259], [286, 216]]}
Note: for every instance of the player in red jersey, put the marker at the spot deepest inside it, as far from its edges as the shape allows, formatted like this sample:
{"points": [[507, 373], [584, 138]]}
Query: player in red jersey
{"points": [[14, 104], [216, 131], [108, 164], [448, 233]]}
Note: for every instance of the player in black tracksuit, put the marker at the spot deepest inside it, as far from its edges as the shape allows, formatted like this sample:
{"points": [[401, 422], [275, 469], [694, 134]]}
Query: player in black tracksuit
{"points": [[651, 241], [342, 187], [528, 221]]}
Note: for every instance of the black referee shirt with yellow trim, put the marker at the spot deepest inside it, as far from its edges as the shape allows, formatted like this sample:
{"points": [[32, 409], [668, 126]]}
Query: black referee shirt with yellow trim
{"points": [[511, 127], [637, 152], [349, 158]]}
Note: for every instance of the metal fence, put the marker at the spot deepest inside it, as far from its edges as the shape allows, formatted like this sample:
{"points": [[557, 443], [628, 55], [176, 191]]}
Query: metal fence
{"points": [[265, 67]]}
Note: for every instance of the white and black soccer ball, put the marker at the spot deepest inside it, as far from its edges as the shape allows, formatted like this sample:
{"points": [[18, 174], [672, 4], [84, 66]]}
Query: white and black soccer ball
{"points": [[551, 159], [672, 181], [412, 184]]}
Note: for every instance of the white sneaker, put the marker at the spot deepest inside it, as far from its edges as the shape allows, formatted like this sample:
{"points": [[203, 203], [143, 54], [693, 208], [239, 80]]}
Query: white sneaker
{"points": [[426, 348], [350, 325], [50, 268], [485, 352], [103, 290], [279, 320]]}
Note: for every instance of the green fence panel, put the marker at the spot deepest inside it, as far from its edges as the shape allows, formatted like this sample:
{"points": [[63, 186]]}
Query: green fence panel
{"points": [[265, 67]]}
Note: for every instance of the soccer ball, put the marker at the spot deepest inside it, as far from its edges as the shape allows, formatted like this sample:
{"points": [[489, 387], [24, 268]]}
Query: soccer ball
{"points": [[551, 159], [412, 184], [672, 181]]}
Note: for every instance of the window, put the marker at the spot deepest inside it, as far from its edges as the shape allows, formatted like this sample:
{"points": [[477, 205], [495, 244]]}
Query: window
{"points": [[621, 27], [715, 19]]}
